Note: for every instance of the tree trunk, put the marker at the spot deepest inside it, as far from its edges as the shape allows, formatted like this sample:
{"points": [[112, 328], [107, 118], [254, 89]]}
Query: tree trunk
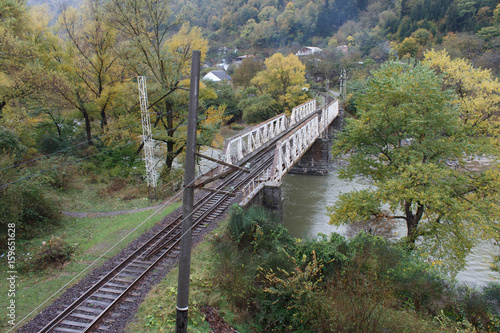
{"points": [[83, 110], [2, 104], [104, 119], [170, 133], [56, 124], [412, 220], [88, 128]]}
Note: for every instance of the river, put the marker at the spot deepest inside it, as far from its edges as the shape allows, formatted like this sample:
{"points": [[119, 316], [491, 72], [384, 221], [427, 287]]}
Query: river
{"points": [[305, 202]]}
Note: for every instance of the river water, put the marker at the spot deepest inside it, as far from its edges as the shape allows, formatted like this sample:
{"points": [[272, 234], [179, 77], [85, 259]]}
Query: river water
{"points": [[305, 202]]}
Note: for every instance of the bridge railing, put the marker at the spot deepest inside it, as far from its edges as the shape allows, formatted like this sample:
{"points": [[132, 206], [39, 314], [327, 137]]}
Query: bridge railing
{"points": [[255, 185], [240, 146], [302, 111], [289, 149], [293, 146], [328, 114]]}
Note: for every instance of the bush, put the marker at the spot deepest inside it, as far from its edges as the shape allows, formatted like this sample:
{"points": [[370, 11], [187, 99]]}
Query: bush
{"points": [[366, 284], [53, 253], [25, 205], [10, 144], [237, 127]]}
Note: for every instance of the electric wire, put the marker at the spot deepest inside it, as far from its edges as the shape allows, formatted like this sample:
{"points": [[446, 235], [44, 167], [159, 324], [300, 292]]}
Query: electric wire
{"points": [[91, 140], [107, 251], [68, 148], [72, 162], [86, 142]]}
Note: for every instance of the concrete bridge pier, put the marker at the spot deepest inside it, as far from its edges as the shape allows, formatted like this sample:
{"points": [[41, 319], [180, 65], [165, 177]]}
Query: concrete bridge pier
{"points": [[271, 198], [316, 160]]}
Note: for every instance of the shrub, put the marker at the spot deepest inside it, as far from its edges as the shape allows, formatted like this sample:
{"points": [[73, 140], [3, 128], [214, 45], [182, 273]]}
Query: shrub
{"points": [[252, 226], [52, 253], [366, 284], [237, 127], [10, 143], [25, 205], [332, 250], [233, 274]]}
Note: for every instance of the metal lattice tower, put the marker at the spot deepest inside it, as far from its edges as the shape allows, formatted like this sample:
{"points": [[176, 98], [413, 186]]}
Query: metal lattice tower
{"points": [[146, 135]]}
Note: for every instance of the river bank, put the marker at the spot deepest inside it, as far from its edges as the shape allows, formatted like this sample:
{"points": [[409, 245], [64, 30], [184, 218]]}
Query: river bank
{"points": [[306, 199]]}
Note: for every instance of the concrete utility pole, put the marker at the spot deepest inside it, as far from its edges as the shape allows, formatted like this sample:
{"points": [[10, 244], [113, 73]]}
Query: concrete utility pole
{"points": [[188, 199]]}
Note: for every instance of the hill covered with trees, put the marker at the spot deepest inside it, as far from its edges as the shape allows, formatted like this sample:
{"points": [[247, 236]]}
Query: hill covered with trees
{"points": [[472, 27]]}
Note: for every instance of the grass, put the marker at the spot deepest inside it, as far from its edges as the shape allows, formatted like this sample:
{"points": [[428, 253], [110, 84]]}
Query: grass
{"points": [[99, 195], [157, 313], [92, 237]]}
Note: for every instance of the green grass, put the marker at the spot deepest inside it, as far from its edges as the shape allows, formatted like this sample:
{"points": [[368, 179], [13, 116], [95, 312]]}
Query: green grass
{"points": [[92, 237], [157, 313], [100, 196]]}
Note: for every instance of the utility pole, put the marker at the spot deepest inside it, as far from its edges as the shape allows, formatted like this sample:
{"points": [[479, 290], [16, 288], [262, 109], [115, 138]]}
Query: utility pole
{"points": [[188, 199], [147, 138]]}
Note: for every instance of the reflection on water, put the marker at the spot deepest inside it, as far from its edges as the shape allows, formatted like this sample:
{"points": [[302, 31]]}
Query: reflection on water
{"points": [[305, 201]]}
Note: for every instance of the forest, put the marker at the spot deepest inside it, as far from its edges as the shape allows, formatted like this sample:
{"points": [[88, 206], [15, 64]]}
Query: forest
{"points": [[469, 28]]}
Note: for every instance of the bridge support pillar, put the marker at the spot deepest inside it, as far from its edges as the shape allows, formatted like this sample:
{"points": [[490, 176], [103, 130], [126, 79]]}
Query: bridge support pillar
{"points": [[316, 160], [271, 198]]}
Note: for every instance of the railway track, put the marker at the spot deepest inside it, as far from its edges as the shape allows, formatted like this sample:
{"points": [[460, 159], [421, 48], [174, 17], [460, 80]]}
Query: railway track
{"points": [[96, 309], [93, 310]]}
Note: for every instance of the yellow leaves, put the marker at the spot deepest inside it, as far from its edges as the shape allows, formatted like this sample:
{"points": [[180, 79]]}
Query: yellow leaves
{"points": [[181, 45], [478, 92], [408, 48], [284, 79], [211, 123], [297, 282]]}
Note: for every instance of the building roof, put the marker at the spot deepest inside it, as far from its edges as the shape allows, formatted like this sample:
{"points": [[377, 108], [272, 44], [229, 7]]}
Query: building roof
{"points": [[307, 50], [217, 76]]}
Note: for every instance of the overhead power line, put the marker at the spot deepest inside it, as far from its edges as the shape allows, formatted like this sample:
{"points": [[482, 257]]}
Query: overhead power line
{"points": [[67, 148], [72, 162]]}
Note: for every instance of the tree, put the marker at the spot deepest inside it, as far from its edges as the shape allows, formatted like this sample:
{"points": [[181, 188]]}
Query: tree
{"points": [[408, 48], [257, 107], [164, 58], [226, 96], [244, 73], [29, 80], [91, 62], [410, 141], [24, 39], [477, 90], [284, 80]]}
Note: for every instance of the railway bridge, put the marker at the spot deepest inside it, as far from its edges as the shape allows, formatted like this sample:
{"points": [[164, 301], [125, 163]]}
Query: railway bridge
{"points": [[261, 157], [299, 144]]}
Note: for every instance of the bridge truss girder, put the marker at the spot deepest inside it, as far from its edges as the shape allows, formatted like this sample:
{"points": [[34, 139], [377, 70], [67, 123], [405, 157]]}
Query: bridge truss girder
{"points": [[290, 149]]}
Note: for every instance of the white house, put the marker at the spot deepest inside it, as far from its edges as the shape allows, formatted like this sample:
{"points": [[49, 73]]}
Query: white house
{"points": [[308, 50], [217, 76]]}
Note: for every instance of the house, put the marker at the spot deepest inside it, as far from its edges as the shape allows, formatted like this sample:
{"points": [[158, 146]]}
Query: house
{"points": [[217, 76], [308, 50], [343, 48]]}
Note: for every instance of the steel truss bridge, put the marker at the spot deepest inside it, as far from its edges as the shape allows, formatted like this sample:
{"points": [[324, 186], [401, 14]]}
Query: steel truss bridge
{"points": [[292, 137]]}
